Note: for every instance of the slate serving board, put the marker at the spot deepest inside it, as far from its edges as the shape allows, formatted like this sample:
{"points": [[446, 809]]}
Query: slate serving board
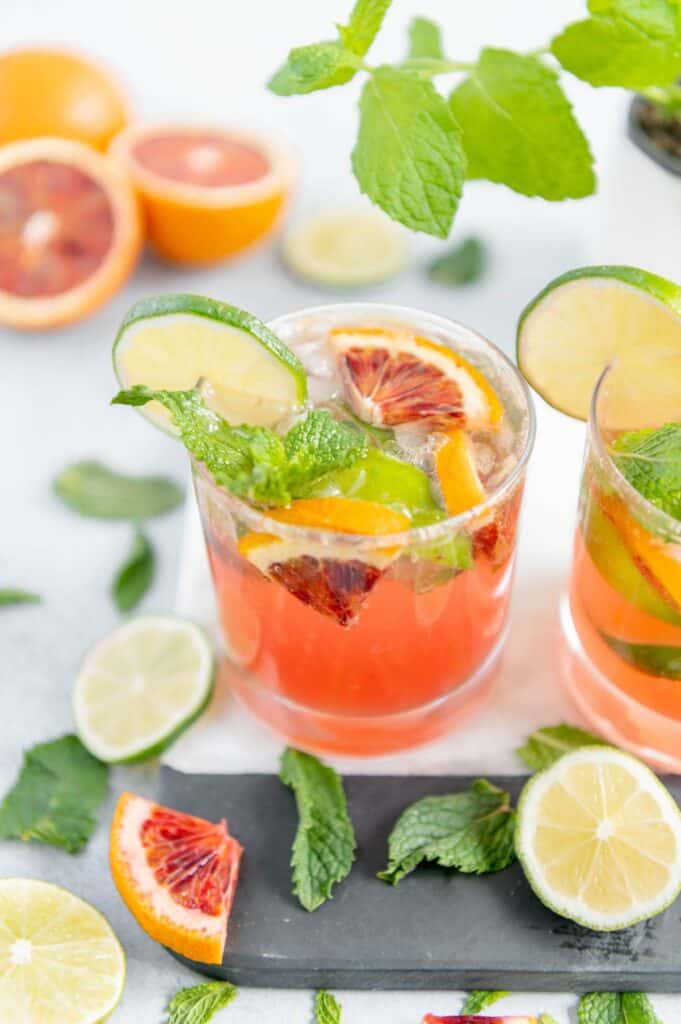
{"points": [[437, 930]]}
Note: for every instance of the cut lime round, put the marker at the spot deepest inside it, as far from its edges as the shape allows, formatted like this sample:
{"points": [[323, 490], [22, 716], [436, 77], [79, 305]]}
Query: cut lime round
{"points": [[589, 317], [380, 478], [60, 962], [345, 248], [599, 839], [174, 341], [141, 686]]}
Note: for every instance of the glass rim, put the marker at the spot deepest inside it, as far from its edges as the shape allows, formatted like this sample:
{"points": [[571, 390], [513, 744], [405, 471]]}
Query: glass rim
{"points": [[660, 520], [258, 518]]}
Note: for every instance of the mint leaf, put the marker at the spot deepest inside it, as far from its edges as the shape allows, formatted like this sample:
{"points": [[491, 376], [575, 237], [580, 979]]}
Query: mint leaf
{"points": [[651, 462], [366, 19], [54, 800], [198, 1004], [519, 129], [324, 846], [546, 745], [135, 576], [478, 1000], [464, 264], [425, 40], [327, 1009], [318, 445], [472, 831], [408, 158], [14, 595], [628, 43], [92, 489], [614, 1008], [656, 659], [310, 68]]}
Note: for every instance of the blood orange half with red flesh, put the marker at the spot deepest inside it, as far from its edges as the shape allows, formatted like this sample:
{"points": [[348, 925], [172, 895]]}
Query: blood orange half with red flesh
{"points": [[177, 874]]}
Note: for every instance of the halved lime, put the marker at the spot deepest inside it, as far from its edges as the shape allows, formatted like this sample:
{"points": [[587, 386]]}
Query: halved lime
{"points": [[345, 248], [60, 962], [173, 341], [599, 839], [141, 686], [585, 319]]}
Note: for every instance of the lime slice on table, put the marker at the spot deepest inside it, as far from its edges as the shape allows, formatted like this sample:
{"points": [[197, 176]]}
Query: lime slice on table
{"points": [[141, 686], [585, 319], [60, 962], [599, 839], [345, 248], [173, 341]]}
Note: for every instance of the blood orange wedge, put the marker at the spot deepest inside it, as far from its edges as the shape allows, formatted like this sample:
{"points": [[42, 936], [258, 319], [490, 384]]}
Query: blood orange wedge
{"points": [[69, 232], [658, 562], [207, 193], [330, 577], [394, 376], [177, 875], [457, 474]]}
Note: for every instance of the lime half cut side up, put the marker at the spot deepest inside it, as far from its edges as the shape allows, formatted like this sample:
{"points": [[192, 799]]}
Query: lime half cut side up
{"points": [[174, 341], [599, 839], [141, 686], [592, 317]]}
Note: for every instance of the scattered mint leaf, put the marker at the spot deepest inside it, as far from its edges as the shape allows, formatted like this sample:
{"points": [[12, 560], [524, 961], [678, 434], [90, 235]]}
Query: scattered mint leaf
{"points": [[14, 595], [135, 576], [546, 745], [628, 43], [408, 158], [54, 800], [615, 1008], [478, 1000], [92, 489], [198, 1004], [472, 831], [327, 1009], [519, 129], [425, 40], [463, 264], [365, 21], [651, 462], [546, 1018], [310, 68], [324, 846]]}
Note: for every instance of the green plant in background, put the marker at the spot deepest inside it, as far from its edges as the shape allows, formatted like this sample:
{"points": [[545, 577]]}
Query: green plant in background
{"points": [[507, 118]]}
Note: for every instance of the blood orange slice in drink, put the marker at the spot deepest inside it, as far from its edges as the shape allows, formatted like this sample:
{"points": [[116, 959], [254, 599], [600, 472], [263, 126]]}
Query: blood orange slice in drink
{"points": [[69, 231], [658, 562], [207, 193], [393, 377], [177, 875]]}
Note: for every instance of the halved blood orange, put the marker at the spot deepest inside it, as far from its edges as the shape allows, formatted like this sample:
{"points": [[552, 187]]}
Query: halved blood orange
{"points": [[328, 577], [69, 231], [658, 562], [207, 193], [177, 874], [394, 376], [457, 474]]}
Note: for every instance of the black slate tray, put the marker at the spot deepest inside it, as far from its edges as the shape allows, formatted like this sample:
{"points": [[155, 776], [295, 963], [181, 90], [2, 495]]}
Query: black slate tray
{"points": [[437, 930]]}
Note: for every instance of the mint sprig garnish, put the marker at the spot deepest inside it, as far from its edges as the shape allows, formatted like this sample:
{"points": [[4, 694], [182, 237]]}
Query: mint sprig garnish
{"points": [[92, 489], [651, 462], [136, 575], [327, 1009], [464, 264], [479, 999], [363, 24], [616, 1008], [254, 462], [471, 831], [56, 797], [199, 1003], [546, 745], [425, 40], [15, 595], [324, 846]]}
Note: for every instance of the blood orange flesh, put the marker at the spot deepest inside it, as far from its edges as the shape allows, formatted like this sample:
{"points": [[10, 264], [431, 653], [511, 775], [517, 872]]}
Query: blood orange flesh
{"points": [[206, 159], [334, 588]]}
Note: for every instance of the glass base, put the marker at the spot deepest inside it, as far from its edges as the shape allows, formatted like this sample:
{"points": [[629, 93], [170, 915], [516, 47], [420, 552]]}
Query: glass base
{"points": [[371, 735], [610, 712]]}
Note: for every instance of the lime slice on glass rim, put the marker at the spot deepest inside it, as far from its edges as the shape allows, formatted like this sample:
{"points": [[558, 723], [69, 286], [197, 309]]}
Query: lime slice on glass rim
{"points": [[174, 341], [60, 962], [591, 317], [141, 686], [599, 839]]}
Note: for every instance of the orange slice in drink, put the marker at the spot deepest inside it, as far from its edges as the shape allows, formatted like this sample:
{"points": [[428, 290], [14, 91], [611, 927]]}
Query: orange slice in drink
{"points": [[207, 193], [393, 377], [69, 231], [57, 93], [177, 874], [658, 562], [457, 473], [329, 576]]}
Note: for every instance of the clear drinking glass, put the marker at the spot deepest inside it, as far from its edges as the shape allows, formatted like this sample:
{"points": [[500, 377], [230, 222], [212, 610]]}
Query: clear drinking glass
{"points": [[425, 647]]}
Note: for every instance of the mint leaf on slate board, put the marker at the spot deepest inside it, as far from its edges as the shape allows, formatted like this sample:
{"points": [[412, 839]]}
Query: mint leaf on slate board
{"points": [[546, 745]]}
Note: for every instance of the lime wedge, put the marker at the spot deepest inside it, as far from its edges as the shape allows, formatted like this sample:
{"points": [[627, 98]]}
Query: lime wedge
{"points": [[345, 248], [587, 318], [60, 962], [141, 686], [599, 839], [173, 341], [381, 478]]}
